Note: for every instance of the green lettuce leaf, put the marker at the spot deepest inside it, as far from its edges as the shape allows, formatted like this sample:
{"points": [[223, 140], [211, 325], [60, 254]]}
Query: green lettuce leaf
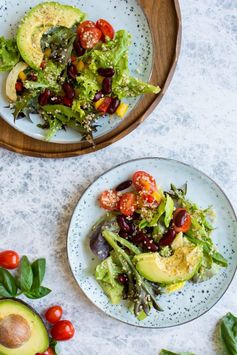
{"points": [[228, 327], [9, 54], [169, 209]]}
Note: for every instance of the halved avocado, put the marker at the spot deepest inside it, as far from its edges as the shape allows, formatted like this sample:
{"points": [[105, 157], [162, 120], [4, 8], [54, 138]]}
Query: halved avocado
{"points": [[22, 331], [40, 20], [181, 266]]}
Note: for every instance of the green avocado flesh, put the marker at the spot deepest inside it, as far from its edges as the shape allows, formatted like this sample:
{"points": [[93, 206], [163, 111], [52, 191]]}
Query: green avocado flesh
{"points": [[40, 20], [181, 266], [30, 327]]}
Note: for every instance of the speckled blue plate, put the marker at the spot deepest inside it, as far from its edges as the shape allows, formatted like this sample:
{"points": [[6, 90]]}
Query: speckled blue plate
{"points": [[123, 15], [195, 299]]}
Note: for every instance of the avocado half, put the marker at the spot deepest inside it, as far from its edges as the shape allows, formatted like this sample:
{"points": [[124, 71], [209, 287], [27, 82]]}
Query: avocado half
{"points": [[179, 267], [22, 331], [40, 20]]}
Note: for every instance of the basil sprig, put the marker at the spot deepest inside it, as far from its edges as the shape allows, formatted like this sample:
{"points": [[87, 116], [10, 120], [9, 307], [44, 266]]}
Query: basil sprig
{"points": [[28, 282], [228, 327]]}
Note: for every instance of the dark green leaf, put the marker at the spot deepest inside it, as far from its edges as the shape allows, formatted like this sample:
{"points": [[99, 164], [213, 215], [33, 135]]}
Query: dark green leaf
{"points": [[37, 293], [4, 292], [8, 281], [229, 333], [54, 345], [167, 352], [26, 274], [38, 269], [219, 259]]}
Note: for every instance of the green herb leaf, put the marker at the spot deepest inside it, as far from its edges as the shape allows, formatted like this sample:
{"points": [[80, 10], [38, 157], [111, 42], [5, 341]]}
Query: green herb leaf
{"points": [[38, 269], [219, 259], [167, 352], [228, 327], [169, 208], [37, 293], [54, 345], [4, 292], [26, 275], [8, 282]]}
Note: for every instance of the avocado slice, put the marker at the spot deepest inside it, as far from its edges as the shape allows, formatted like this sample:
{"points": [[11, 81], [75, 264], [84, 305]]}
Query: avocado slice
{"points": [[181, 266], [40, 20], [22, 331]]}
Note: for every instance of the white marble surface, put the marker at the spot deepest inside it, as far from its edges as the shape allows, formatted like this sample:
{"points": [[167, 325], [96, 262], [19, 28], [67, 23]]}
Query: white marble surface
{"points": [[196, 123]]}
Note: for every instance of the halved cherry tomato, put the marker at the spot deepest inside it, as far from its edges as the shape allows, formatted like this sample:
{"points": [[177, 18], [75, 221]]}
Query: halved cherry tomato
{"points": [[49, 351], [85, 26], [128, 203], [106, 28], [54, 314], [181, 220], [109, 200], [9, 259], [62, 330], [144, 181], [105, 105], [90, 37]]}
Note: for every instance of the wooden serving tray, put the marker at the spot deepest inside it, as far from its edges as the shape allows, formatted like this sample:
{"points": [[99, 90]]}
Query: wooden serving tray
{"points": [[165, 22]]}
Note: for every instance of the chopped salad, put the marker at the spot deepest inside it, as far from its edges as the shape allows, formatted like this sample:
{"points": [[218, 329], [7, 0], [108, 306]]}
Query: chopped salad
{"points": [[151, 242], [69, 70]]}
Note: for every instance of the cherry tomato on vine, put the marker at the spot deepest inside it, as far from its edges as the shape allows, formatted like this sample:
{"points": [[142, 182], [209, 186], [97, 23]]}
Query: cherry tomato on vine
{"points": [[9, 259], [62, 330], [54, 314]]}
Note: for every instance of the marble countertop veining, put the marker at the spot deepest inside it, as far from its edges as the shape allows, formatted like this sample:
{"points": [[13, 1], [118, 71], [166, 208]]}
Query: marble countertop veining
{"points": [[196, 123]]}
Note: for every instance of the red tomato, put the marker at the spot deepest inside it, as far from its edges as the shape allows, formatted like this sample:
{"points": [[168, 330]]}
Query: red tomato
{"points": [[90, 37], [105, 105], [128, 203], [105, 28], [9, 259], [62, 330], [181, 220], [109, 200], [85, 26], [54, 314], [49, 351], [144, 181]]}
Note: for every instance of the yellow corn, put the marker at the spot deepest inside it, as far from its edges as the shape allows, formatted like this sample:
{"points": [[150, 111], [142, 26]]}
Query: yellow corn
{"points": [[122, 110], [47, 53], [99, 102], [22, 76], [100, 79], [80, 66]]}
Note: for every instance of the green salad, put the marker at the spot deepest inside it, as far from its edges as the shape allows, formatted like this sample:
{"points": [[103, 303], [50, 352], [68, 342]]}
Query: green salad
{"points": [[69, 70], [151, 242]]}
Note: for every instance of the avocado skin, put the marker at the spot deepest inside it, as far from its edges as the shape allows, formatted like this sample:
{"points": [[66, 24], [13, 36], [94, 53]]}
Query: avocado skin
{"points": [[6, 351], [39, 20]]}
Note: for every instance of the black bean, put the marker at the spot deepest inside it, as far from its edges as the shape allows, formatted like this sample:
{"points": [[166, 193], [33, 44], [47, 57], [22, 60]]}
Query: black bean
{"points": [[69, 90], [124, 185], [168, 237], [123, 234], [78, 47], [106, 72], [98, 96], [72, 71], [44, 97], [123, 224], [107, 86]]}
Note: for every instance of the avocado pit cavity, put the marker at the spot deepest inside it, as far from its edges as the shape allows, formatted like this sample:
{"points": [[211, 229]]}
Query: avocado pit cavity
{"points": [[14, 331]]}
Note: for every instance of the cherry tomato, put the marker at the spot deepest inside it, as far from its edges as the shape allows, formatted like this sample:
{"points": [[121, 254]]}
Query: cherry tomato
{"points": [[105, 105], [105, 28], [144, 181], [109, 200], [62, 330], [54, 314], [181, 220], [90, 37], [85, 26], [128, 203], [9, 259], [49, 351]]}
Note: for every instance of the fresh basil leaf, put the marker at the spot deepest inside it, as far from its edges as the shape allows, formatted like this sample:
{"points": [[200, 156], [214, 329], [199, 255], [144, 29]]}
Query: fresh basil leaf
{"points": [[8, 281], [4, 292], [54, 345], [38, 269], [169, 208], [167, 352], [219, 259], [26, 275], [228, 327], [37, 293]]}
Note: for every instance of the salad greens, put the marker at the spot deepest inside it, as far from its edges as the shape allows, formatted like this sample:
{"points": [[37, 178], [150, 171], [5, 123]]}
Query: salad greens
{"points": [[9, 54], [140, 241], [228, 327], [167, 352]]}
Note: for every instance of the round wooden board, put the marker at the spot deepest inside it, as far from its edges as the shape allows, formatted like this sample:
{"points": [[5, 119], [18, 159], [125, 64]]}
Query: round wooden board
{"points": [[165, 22]]}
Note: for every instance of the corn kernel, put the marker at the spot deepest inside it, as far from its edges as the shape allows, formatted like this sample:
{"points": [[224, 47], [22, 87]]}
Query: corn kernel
{"points": [[22, 76], [98, 103], [100, 79], [122, 110], [80, 66], [47, 53]]}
